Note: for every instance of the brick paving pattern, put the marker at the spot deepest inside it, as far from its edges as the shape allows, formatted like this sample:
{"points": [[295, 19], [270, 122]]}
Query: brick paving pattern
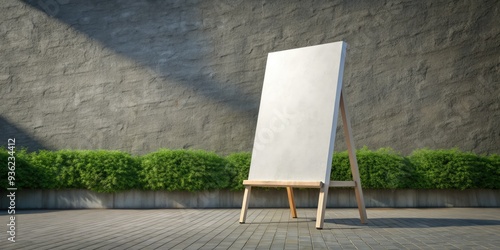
{"points": [[440, 228]]}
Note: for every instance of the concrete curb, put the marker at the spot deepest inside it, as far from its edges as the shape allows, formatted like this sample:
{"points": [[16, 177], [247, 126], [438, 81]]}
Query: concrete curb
{"points": [[134, 199]]}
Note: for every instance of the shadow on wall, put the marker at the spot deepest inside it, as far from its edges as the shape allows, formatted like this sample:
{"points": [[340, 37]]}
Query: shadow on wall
{"points": [[149, 74], [211, 63], [11, 131], [418, 77], [170, 38]]}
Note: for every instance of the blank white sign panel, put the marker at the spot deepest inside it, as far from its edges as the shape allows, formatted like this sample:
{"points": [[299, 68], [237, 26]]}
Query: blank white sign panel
{"points": [[298, 114]]}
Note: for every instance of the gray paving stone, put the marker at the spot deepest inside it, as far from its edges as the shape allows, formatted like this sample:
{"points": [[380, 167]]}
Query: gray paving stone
{"points": [[445, 228]]}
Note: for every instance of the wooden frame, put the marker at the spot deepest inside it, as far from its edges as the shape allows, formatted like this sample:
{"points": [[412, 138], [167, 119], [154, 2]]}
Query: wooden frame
{"points": [[323, 187]]}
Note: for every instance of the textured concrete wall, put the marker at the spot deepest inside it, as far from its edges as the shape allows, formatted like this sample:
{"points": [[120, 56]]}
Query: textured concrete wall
{"points": [[140, 75]]}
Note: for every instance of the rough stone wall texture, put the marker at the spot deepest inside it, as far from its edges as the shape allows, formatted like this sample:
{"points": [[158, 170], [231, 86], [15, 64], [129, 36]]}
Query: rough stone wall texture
{"points": [[141, 75]]}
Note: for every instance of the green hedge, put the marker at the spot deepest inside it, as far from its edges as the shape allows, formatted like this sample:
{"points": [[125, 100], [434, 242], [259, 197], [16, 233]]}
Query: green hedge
{"points": [[101, 171], [240, 163], [453, 169], [383, 168], [184, 170], [188, 170], [26, 176]]}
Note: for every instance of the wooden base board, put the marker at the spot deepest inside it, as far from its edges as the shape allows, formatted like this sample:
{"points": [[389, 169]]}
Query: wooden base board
{"points": [[298, 184]]}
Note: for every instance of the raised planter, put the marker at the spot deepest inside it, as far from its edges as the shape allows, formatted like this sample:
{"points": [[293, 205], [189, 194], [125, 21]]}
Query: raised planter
{"points": [[78, 199]]}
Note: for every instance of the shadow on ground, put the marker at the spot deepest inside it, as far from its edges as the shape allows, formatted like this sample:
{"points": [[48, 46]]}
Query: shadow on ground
{"points": [[413, 222]]}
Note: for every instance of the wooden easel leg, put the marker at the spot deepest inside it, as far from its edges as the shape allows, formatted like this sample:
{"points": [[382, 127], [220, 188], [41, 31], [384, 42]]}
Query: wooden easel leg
{"points": [[320, 216], [361, 203], [353, 161], [244, 206], [291, 202]]}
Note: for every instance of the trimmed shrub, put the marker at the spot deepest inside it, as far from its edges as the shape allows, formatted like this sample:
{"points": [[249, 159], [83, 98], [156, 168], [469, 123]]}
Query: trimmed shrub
{"points": [[184, 170], [240, 163], [493, 179], [100, 170], [341, 170], [25, 175], [108, 171], [452, 169], [60, 169], [383, 168]]}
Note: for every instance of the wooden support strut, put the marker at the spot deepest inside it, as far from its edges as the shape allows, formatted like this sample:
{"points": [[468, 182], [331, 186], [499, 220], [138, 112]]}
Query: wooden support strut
{"points": [[244, 206], [320, 215], [352, 160], [291, 202]]}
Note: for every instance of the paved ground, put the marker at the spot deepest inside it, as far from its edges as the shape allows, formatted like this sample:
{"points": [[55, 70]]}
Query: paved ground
{"points": [[446, 228]]}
